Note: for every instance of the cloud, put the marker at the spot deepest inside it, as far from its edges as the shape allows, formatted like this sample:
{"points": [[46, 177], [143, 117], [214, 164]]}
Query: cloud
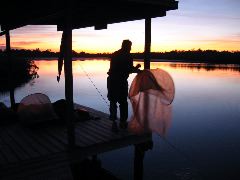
{"points": [[218, 41], [199, 15], [229, 39], [51, 32], [25, 43], [237, 35], [21, 45], [90, 34], [35, 29]]}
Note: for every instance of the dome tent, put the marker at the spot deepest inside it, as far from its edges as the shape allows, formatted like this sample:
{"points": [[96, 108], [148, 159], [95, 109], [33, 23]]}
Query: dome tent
{"points": [[36, 108], [151, 94]]}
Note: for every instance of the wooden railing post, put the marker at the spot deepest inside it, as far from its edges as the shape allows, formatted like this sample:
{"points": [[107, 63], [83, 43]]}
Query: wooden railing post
{"points": [[9, 58], [69, 81], [147, 49]]}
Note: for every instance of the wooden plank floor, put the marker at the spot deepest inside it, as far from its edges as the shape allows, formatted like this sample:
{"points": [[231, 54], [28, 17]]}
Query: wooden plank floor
{"points": [[23, 148]]}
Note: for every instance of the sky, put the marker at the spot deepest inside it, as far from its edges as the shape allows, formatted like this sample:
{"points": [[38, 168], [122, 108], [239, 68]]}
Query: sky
{"points": [[197, 24]]}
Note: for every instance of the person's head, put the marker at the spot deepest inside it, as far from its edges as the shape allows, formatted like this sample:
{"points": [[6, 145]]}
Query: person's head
{"points": [[126, 45]]}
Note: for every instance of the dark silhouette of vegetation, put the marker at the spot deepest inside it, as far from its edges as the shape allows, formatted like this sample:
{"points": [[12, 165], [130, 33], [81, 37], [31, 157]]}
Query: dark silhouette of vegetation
{"points": [[205, 56], [15, 72], [37, 53]]}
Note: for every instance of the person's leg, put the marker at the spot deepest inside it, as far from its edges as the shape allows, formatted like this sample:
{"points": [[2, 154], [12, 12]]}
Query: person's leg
{"points": [[123, 110], [123, 113], [112, 97], [113, 110], [122, 99], [113, 115]]}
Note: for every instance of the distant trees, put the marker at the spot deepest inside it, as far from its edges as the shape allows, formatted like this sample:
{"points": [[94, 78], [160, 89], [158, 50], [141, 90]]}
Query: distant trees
{"points": [[37, 53], [199, 55], [15, 72], [33, 53]]}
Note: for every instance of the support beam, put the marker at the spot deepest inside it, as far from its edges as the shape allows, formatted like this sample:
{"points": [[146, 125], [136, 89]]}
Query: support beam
{"points": [[8, 51], [100, 26], [147, 49], [69, 83]]}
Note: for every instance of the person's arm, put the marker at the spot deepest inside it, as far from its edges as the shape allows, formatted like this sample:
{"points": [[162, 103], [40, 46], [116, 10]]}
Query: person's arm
{"points": [[136, 69], [133, 69]]}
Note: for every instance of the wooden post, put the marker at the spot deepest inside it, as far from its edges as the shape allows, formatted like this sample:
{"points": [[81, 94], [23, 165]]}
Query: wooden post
{"points": [[139, 153], [69, 82], [147, 49], [8, 51]]}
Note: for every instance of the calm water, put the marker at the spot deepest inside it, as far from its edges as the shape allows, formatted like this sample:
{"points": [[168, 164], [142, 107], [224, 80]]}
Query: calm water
{"points": [[203, 141]]}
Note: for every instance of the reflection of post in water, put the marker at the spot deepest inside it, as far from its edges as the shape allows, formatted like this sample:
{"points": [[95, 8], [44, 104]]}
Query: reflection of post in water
{"points": [[90, 168], [9, 58], [139, 153]]}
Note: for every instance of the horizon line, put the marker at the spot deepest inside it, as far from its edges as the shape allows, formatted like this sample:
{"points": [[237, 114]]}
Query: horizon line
{"points": [[178, 50]]}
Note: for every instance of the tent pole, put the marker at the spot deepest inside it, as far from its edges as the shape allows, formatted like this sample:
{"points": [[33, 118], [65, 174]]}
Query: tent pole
{"points": [[69, 83], [8, 51], [147, 49]]}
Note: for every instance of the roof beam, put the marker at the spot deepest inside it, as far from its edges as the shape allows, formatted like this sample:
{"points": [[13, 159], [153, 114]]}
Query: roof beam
{"points": [[34, 20], [85, 13], [100, 26], [116, 17]]}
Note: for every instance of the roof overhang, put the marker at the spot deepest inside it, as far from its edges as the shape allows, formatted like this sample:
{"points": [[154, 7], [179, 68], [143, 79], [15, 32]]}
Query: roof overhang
{"points": [[84, 13]]}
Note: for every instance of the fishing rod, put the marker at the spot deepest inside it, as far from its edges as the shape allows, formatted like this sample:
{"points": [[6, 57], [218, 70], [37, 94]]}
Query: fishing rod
{"points": [[90, 79]]}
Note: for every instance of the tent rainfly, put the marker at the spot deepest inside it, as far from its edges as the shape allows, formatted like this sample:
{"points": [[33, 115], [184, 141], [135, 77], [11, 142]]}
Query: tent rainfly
{"points": [[75, 14]]}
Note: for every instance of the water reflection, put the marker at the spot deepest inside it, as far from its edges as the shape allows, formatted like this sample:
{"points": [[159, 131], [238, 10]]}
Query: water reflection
{"points": [[205, 117], [206, 66], [92, 167]]}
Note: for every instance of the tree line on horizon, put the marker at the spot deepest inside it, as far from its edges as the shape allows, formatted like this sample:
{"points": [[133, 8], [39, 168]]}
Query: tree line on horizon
{"points": [[208, 56]]}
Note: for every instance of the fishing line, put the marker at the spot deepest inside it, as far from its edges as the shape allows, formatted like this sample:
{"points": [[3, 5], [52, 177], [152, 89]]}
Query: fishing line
{"points": [[90, 79]]}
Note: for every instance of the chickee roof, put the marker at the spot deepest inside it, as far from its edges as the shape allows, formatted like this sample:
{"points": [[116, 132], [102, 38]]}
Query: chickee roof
{"points": [[82, 13]]}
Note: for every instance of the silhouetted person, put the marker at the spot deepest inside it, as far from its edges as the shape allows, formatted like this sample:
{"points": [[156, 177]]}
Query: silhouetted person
{"points": [[121, 65]]}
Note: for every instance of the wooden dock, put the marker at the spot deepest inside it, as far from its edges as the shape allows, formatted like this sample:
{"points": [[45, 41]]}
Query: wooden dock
{"points": [[34, 153]]}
